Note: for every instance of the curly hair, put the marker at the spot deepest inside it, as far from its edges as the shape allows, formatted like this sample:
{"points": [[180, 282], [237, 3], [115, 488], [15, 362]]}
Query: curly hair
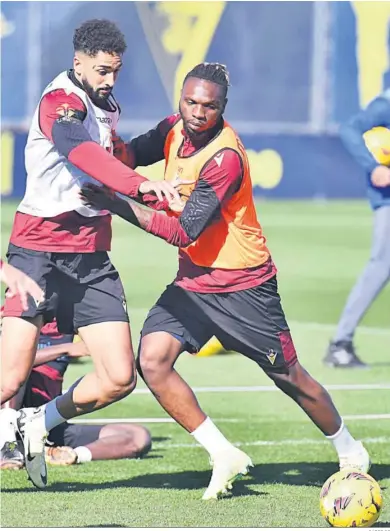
{"points": [[94, 36], [215, 72]]}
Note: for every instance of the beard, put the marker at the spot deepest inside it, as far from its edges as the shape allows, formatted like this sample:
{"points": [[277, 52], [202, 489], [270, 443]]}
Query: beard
{"points": [[95, 95], [187, 129]]}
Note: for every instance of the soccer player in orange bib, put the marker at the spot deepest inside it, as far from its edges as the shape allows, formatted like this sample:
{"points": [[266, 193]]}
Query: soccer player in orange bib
{"points": [[226, 284]]}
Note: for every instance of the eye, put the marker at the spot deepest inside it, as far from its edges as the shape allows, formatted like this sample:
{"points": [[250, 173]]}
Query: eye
{"points": [[190, 102], [102, 72]]}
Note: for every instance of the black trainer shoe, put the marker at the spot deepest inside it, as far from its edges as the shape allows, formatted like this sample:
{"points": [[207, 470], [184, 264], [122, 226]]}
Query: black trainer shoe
{"points": [[11, 458], [342, 354]]}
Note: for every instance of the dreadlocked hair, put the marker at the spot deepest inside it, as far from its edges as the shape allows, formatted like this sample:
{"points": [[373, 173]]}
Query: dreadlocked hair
{"points": [[214, 72]]}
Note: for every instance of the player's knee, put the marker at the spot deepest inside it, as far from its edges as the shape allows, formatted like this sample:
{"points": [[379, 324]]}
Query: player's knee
{"points": [[297, 383], [118, 386], [151, 365], [142, 442], [138, 366], [290, 381]]}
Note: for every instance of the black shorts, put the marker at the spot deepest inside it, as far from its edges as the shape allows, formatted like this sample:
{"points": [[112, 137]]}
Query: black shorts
{"points": [[74, 435], [250, 321], [80, 288]]}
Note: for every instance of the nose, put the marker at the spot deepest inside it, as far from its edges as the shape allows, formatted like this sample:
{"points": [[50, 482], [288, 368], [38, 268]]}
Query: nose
{"points": [[110, 79], [198, 112]]}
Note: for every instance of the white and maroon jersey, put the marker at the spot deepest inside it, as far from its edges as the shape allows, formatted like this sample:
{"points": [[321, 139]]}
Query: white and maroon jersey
{"points": [[69, 144], [53, 183]]}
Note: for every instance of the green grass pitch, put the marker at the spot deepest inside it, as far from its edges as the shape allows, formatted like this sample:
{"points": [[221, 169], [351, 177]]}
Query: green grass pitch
{"points": [[319, 249]]}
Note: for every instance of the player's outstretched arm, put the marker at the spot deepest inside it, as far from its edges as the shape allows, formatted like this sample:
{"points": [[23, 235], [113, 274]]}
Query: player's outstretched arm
{"points": [[61, 117], [217, 183], [18, 283], [145, 149], [73, 350]]}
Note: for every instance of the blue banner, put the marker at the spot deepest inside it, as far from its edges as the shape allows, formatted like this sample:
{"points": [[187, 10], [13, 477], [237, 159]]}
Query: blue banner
{"points": [[297, 70], [282, 166], [270, 75]]}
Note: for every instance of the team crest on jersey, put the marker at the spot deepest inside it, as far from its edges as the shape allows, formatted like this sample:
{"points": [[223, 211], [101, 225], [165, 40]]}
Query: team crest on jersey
{"points": [[65, 111], [272, 355]]}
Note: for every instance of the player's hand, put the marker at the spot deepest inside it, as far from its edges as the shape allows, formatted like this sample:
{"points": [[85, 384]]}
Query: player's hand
{"points": [[178, 206], [162, 189], [119, 148], [19, 283], [99, 197], [381, 176]]}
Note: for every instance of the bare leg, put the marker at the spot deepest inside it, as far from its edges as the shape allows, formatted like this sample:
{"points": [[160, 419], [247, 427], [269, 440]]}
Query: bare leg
{"points": [[158, 354], [120, 441], [16, 401], [114, 376], [109, 344], [311, 397], [19, 340], [318, 405]]}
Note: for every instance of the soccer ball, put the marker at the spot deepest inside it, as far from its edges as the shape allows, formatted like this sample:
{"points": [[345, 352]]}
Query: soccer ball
{"points": [[350, 498], [377, 142]]}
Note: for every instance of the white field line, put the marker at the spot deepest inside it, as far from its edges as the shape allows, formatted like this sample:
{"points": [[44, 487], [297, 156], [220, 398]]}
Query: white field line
{"points": [[164, 420], [273, 388], [285, 442]]}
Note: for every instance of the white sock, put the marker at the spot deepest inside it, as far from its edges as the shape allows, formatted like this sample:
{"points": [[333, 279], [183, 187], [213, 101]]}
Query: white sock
{"points": [[8, 419], [52, 417], [83, 454], [209, 436], [343, 441]]}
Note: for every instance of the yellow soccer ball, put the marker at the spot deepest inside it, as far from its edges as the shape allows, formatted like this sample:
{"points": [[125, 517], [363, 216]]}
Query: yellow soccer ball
{"points": [[377, 142], [350, 498]]}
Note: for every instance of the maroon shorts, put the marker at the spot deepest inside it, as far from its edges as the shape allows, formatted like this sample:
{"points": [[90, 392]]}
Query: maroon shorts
{"points": [[80, 288], [249, 321]]}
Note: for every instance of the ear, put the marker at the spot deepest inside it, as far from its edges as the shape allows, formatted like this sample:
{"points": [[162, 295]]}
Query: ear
{"points": [[224, 105], [77, 64]]}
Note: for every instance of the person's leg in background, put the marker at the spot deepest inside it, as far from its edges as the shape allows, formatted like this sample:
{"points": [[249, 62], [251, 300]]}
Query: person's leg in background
{"points": [[78, 443], [341, 352]]}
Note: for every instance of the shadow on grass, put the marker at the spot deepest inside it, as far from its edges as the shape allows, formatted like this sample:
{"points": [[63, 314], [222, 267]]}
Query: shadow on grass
{"points": [[300, 474]]}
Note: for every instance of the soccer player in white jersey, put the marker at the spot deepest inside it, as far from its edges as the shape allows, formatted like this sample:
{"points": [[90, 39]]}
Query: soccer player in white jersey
{"points": [[62, 244]]}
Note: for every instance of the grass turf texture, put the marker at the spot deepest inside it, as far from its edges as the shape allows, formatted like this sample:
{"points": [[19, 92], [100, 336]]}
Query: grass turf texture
{"points": [[319, 249]]}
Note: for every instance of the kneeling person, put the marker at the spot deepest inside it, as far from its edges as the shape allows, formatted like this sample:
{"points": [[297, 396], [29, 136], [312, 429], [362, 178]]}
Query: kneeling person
{"points": [[73, 443]]}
